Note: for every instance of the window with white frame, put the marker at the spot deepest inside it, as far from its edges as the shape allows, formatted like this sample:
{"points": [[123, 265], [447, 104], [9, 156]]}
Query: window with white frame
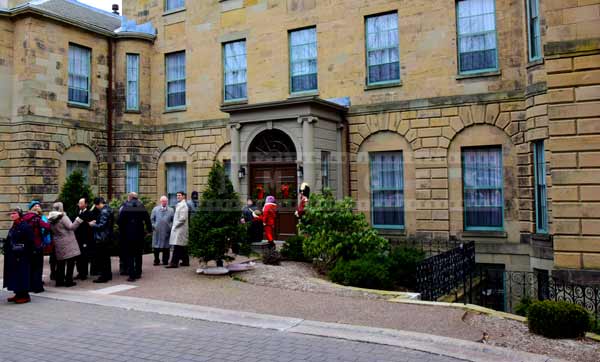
{"points": [[303, 60], [176, 180], [387, 190], [483, 188], [133, 82], [235, 70], [541, 195], [79, 74], [383, 50], [132, 183], [175, 64], [81, 166], [476, 28], [533, 30], [174, 4], [325, 158]]}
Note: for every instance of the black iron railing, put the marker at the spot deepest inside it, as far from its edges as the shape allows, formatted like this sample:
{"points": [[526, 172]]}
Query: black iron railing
{"points": [[446, 272]]}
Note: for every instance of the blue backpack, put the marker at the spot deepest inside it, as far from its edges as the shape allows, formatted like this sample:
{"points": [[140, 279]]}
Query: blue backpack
{"points": [[46, 234]]}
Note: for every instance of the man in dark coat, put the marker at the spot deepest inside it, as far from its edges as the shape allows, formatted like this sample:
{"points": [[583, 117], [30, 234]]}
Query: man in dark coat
{"points": [[102, 228], [18, 251], [85, 239], [132, 220]]}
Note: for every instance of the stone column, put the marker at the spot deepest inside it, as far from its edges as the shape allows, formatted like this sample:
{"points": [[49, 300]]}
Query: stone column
{"points": [[235, 155], [308, 149]]}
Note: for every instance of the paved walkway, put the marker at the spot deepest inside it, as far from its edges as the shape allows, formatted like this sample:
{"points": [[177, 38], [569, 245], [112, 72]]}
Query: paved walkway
{"points": [[184, 286], [49, 330]]}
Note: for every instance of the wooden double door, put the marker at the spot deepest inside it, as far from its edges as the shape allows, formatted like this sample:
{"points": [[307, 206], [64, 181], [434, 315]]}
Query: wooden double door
{"points": [[279, 180]]}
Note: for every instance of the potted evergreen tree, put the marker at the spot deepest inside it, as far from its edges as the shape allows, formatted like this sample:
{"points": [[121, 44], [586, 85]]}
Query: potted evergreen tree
{"points": [[216, 225]]}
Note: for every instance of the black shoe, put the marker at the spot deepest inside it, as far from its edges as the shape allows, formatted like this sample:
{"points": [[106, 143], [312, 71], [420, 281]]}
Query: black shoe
{"points": [[165, 263], [123, 273], [69, 285], [38, 291], [52, 276], [156, 263], [131, 280], [171, 266], [101, 280], [186, 264], [80, 277]]}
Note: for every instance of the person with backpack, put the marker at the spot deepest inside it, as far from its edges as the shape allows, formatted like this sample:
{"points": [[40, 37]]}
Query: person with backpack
{"points": [[18, 251], [40, 229], [103, 235]]}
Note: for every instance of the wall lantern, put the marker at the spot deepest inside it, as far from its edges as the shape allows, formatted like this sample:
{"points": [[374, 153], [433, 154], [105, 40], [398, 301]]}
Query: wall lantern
{"points": [[242, 172], [300, 172]]}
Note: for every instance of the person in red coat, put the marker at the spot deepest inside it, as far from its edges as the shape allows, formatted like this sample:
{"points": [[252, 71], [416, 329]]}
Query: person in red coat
{"points": [[304, 195], [269, 215]]}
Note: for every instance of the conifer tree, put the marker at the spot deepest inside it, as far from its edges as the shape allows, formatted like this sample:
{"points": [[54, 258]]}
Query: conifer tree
{"points": [[74, 189], [216, 225]]}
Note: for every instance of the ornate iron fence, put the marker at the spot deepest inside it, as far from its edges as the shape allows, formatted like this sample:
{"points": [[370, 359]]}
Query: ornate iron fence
{"points": [[446, 272]]}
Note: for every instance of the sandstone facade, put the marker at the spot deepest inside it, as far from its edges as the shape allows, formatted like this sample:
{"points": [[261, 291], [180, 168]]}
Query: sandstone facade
{"points": [[430, 115]]}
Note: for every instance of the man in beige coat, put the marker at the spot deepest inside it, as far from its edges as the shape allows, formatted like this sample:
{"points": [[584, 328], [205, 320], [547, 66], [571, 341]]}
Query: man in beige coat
{"points": [[179, 233]]}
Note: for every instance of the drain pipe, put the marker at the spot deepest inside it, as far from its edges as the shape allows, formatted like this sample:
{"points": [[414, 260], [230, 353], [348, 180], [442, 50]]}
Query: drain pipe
{"points": [[109, 120]]}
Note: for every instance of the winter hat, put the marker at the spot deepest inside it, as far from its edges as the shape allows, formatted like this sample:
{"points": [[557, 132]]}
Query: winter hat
{"points": [[270, 199], [33, 203]]}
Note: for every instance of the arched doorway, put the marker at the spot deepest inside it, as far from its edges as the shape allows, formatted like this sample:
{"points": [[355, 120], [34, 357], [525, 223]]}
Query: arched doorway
{"points": [[272, 161]]}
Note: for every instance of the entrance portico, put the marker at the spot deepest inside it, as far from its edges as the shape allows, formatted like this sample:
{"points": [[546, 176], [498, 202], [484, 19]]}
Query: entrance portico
{"points": [[281, 145]]}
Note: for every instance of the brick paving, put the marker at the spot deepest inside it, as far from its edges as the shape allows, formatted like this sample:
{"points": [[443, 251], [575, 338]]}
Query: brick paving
{"points": [[57, 331]]}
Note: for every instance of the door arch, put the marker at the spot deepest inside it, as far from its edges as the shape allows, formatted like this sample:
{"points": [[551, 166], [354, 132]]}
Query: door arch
{"points": [[272, 162]]}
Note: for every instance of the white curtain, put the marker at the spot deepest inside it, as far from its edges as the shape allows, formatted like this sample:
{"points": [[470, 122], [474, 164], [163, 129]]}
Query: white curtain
{"points": [[133, 69], [387, 189], [79, 73], [382, 48], [303, 53], [477, 34], [175, 4], [176, 181], [483, 187], [133, 177], [176, 79], [235, 70]]}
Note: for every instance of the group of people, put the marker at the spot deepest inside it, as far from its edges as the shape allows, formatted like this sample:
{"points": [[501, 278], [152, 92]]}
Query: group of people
{"points": [[85, 243]]}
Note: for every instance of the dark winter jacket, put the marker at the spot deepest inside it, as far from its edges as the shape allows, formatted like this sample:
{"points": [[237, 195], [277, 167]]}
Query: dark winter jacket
{"points": [[18, 250], [84, 233], [103, 229], [132, 220]]}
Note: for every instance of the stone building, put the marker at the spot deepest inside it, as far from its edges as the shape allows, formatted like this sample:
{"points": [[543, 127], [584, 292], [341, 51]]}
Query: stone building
{"points": [[470, 119]]}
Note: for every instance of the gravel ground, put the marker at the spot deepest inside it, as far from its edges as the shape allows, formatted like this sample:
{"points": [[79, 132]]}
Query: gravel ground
{"points": [[515, 335], [300, 277]]}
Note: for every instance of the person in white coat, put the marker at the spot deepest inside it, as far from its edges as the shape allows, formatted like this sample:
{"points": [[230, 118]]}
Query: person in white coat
{"points": [[179, 233]]}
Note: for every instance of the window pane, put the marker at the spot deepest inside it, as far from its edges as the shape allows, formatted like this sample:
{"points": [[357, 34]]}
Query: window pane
{"points": [[533, 27], [387, 189], [133, 176], [83, 166], [79, 74], [483, 183], [133, 69], [325, 156], [175, 66], [303, 60], [541, 197], [477, 48], [175, 4], [383, 60], [176, 181], [234, 60]]}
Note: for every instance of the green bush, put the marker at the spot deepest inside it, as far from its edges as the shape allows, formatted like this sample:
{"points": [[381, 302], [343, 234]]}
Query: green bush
{"points": [[595, 325], [74, 189], [292, 249], [558, 319], [216, 225], [370, 271], [523, 307], [402, 264], [334, 231]]}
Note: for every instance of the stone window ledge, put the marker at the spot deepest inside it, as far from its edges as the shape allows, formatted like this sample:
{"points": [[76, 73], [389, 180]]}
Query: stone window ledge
{"points": [[175, 110], [234, 103], [173, 11], [391, 232], [80, 106], [535, 63], [479, 75], [132, 111], [485, 234], [383, 86]]}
